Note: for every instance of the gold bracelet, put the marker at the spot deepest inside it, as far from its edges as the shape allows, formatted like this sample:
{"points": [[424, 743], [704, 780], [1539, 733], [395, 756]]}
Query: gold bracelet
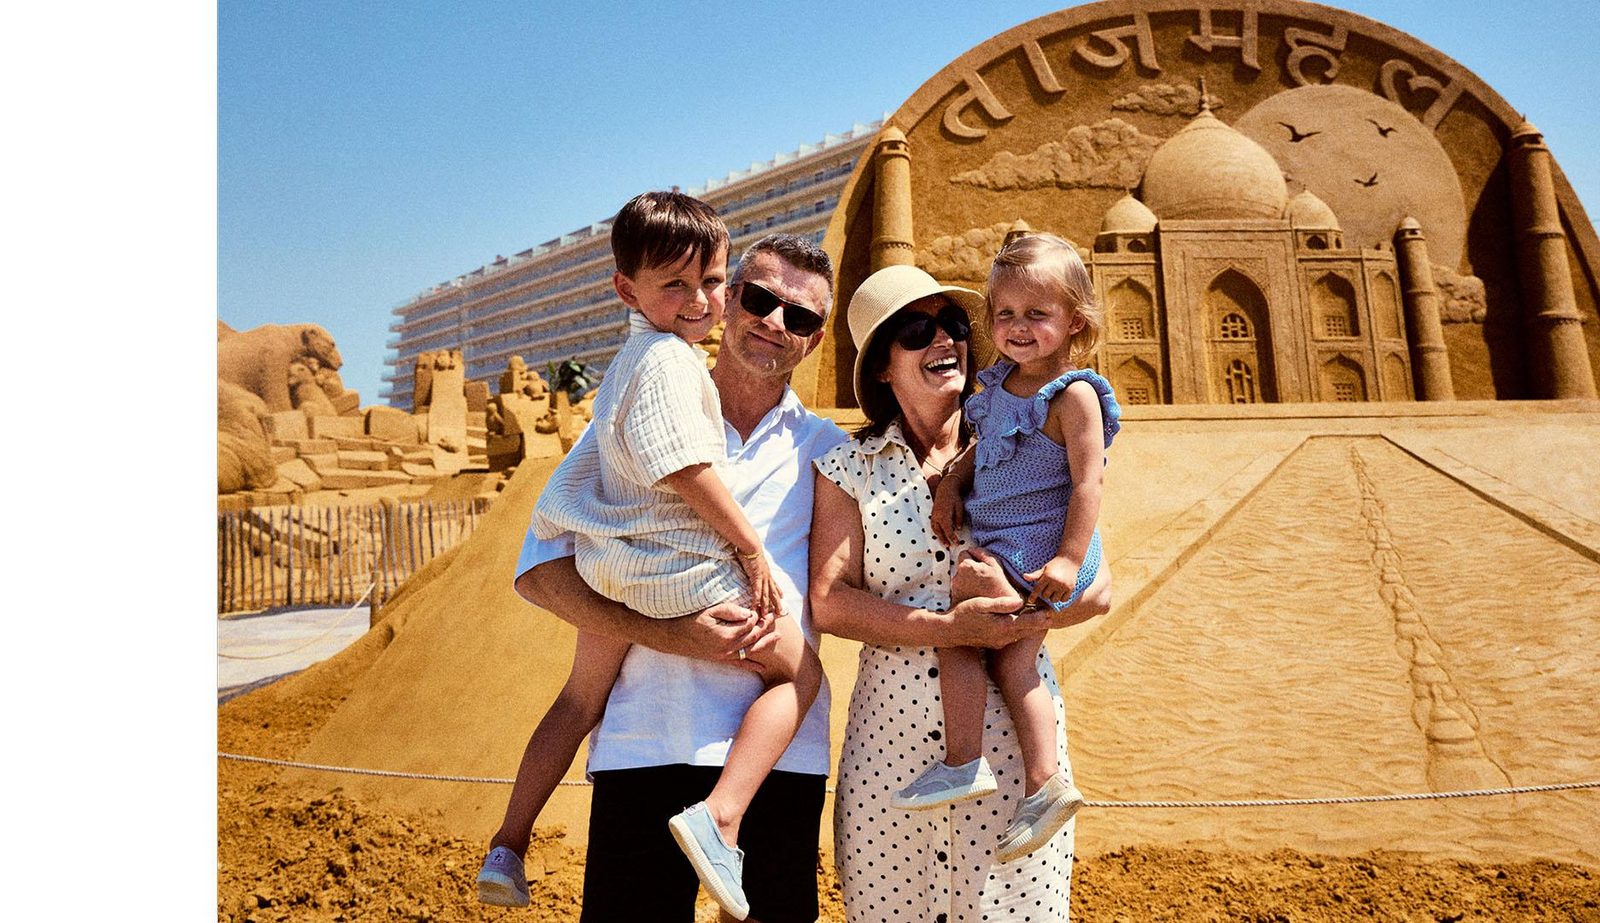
{"points": [[748, 557]]}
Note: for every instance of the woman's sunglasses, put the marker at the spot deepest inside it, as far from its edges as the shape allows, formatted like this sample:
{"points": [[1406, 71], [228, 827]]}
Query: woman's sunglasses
{"points": [[797, 318], [915, 331]]}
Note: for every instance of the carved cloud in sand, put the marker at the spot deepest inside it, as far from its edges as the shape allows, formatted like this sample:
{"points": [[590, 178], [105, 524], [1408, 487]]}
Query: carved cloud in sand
{"points": [[1111, 154], [1463, 299], [967, 256], [1166, 99]]}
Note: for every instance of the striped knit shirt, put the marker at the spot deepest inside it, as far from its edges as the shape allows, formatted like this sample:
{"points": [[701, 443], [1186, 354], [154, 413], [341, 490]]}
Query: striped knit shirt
{"points": [[635, 541]]}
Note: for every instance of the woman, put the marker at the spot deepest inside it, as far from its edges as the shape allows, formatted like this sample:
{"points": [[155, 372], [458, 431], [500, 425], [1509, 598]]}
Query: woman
{"points": [[879, 576]]}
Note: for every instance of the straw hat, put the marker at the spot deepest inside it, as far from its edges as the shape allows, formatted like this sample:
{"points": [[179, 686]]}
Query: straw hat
{"points": [[887, 291]]}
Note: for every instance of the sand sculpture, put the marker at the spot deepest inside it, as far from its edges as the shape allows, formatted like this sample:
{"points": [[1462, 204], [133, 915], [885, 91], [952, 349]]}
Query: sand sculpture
{"points": [[287, 426], [1369, 223]]}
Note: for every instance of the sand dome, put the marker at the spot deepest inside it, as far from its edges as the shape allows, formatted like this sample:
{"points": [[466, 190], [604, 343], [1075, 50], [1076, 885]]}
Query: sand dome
{"points": [[1128, 216], [1207, 170], [1307, 211]]}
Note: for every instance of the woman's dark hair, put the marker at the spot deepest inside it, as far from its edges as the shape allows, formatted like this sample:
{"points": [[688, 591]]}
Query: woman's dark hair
{"points": [[877, 398]]}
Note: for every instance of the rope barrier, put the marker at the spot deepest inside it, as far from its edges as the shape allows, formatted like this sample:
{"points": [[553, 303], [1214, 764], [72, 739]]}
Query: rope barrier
{"points": [[1255, 803], [330, 630]]}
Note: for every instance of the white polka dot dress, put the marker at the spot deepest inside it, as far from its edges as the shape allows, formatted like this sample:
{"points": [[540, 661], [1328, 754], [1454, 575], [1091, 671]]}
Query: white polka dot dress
{"points": [[936, 866]]}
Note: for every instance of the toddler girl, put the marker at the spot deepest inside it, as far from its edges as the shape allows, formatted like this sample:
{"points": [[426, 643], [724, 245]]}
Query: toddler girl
{"points": [[1042, 426]]}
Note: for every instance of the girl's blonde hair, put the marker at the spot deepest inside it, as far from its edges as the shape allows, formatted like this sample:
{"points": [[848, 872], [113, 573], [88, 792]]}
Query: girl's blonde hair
{"points": [[1048, 263]]}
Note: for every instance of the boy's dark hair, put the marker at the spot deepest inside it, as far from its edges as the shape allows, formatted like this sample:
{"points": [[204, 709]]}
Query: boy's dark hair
{"points": [[661, 228]]}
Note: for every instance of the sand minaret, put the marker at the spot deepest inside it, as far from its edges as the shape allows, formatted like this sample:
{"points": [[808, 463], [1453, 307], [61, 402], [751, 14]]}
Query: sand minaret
{"points": [[1555, 330], [891, 201], [1429, 358]]}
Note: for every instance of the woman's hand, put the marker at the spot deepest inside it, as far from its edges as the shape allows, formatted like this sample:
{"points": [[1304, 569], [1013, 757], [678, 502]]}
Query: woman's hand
{"points": [[1054, 582], [765, 598], [947, 511]]}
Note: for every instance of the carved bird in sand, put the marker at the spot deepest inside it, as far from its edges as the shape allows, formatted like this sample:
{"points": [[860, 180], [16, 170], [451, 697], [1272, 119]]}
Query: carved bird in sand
{"points": [[1369, 182], [1295, 136], [1384, 130]]}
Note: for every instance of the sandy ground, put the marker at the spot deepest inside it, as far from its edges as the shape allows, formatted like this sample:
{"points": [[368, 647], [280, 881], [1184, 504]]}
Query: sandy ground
{"points": [[1306, 606]]}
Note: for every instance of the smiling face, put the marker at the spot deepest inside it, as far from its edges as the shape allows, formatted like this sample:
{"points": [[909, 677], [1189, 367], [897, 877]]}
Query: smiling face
{"points": [[681, 298], [1033, 325], [930, 377], [762, 345]]}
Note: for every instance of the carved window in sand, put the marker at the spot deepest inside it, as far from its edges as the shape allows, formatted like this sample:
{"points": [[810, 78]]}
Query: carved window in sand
{"points": [[1234, 327], [1241, 382], [1239, 347], [1385, 305], [1135, 382], [1343, 381], [1333, 304], [1132, 311]]}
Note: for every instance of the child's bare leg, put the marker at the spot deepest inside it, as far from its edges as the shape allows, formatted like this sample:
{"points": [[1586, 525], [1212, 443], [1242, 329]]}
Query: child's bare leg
{"points": [[595, 665], [963, 682], [1016, 672], [793, 676]]}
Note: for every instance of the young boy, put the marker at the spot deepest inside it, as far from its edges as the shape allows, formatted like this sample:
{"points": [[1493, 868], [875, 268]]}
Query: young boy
{"points": [[656, 536]]}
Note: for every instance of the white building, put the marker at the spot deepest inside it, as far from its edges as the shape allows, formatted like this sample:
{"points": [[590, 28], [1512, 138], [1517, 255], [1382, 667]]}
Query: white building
{"points": [[555, 301]]}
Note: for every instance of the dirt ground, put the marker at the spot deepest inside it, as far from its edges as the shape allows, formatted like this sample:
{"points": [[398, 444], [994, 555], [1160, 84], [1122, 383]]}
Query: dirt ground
{"points": [[289, 853], [289, 856]]}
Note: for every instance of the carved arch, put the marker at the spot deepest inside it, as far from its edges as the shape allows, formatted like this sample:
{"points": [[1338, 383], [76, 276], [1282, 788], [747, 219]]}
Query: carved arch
{"points": [[1130, 312], [1334, 311], [1344, 380]]}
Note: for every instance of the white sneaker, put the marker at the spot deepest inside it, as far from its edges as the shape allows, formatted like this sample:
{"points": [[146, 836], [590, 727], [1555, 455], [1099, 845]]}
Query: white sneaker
{"points": [[942, 785], [720, 867], [1039, 817], [501, 881]]}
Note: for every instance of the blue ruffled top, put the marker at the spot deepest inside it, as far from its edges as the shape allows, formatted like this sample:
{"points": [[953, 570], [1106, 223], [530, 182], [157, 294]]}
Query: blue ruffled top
{"points": [[1018, 504]]}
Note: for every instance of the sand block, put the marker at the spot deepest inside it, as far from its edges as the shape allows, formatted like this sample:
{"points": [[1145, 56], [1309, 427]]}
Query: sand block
{"points": [[477, 395], [282, 453], [322, 462], [447, 411], [477, 419], [297, 472], [322, 427], [345, 479], [359, 444], [391, 424], [304, 447], [422, 474], [519, 413], [285, 425], [348, 404], [449, 462], [364, 461]]}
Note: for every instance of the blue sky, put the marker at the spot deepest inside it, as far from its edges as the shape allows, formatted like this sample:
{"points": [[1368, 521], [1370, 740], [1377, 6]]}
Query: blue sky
{"points": [[368, 150]]}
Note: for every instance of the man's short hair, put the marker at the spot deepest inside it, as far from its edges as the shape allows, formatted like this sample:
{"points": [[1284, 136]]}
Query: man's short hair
{"points": [[796, 250], [661, 228]]}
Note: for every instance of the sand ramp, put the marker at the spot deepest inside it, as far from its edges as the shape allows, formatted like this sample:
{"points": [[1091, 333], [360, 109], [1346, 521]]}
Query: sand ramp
{"points": [[1305, 608]]}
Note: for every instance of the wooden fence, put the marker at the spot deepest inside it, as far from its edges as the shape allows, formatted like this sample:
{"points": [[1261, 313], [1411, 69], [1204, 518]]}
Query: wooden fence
{"points": [[298, 556]]}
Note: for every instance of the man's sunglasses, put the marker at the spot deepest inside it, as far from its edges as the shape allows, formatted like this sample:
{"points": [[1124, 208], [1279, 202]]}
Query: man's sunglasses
{"points": [[797, 318], [915, 331]]}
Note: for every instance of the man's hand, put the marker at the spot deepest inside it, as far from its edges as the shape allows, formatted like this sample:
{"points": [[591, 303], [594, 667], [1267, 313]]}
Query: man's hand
{"points": [[722, 631]]}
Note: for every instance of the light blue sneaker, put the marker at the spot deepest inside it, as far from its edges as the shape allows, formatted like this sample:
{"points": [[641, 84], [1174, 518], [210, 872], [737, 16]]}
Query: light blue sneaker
{"points": [[720, 866], [1039, 817], [502, 880], [941, 785]]}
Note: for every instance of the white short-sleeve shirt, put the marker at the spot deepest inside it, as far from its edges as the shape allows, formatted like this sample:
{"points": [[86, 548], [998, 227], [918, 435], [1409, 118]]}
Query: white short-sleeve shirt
{"points": [[637, 542]]}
